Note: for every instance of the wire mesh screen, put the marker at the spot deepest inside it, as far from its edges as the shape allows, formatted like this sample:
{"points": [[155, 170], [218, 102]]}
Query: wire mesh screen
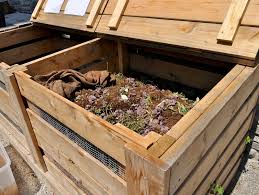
{"points": [[98, 154]]}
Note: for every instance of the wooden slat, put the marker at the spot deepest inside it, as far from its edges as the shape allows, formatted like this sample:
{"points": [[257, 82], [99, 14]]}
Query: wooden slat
{"points": [[62, 179], [72, 57], [175, 72], [7, 108], [22, 35], [35, 49], [235, 130], [13, 134], [232, 21], [94, 13], [205, 131], [37, 9], [145, 173], [59, 146], [181, 127], [117, 14], [18, 104], [215, 11], [223, 165], [86, 124], [19, 144], [195, 35]]}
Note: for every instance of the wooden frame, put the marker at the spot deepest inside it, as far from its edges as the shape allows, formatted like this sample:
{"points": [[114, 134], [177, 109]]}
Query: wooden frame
{"points": [[87, 23], [144, 20], [154, 164], [21, 45]]}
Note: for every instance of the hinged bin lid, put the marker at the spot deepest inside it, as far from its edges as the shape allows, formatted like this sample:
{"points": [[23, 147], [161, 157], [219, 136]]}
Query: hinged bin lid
{"points": [[228, 27], [88, 22]]}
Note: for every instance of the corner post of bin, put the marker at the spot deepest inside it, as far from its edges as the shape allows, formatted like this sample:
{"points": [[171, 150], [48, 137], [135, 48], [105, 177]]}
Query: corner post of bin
{"points": [[37, 9], [232, 21], [117, 14], [16, 98], [94, 13], [145, 174]]}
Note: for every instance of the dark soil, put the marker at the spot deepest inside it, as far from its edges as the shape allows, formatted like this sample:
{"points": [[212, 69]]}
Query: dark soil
{"points": [[139, 105]]}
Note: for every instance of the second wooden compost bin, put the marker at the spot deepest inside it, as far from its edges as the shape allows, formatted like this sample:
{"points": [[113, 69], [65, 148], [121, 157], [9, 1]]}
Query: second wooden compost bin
{"points": [[26, 44], [86, 154]]}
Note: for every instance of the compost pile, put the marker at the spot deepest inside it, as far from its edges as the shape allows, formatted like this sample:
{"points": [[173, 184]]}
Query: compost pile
{"points": [[138, 105]]}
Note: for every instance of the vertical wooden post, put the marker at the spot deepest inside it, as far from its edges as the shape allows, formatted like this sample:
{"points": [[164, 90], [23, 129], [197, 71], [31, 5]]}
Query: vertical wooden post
{"points": [[145, 174], [17, 101], [123, 57]]}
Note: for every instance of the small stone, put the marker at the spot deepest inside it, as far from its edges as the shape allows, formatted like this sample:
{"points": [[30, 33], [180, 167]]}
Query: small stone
{"points": [[253, 154]]}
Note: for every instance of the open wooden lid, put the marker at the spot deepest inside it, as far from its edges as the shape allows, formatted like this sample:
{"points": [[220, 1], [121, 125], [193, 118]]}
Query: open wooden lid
{"points": [[211, 27], [88, 22]]}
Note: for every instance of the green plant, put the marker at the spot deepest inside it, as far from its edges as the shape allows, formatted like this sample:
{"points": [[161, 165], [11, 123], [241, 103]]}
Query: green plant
{"points": [[217, 189], [248, 140], [182, 109]]}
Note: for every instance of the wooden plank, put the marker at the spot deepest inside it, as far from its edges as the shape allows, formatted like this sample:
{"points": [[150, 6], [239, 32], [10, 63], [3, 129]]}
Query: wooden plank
{"points": [[232, 174], [223, 166], [94, 13], [205, 131], [13, 134], [35, 49], [21, 35], [64, 20], [174, 71], [54, 142], [37, 9], [7, 108], [197, 36], [232, 21], [107, 137], [62, 179], [215, 11], [72, 57], [25, 124], [145, 174], [232, 131], [117, 14], [19, 144], [181, 127]]}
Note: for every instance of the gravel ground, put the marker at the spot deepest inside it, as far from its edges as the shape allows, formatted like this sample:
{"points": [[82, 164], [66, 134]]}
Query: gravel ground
{"points": [[246, 181]]}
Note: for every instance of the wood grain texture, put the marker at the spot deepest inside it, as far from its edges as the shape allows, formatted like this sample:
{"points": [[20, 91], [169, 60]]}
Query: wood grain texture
{"points": [[94, 13], [25, 124], [37, 9], [62, 179], [199, 10], [236, 129], [185, 123], [192, 35], [145, 174], [210, 125], [32, 50], [21, 35], [117, 14], [93, 174], [232, 21]]}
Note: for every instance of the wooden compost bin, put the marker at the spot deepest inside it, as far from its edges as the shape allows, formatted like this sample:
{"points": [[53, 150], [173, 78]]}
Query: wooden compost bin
{"points": [[84, 153], [29, 43]]}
